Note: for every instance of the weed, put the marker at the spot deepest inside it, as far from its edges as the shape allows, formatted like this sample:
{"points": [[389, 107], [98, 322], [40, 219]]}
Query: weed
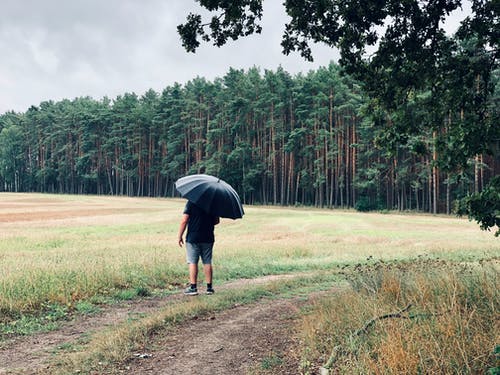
{"points": [[271, 361], [142, 291], [126, 294], [86, 307], [496, 369]]}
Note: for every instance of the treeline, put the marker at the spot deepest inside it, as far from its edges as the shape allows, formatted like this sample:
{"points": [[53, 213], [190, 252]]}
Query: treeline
{"points": [[308, 139]]}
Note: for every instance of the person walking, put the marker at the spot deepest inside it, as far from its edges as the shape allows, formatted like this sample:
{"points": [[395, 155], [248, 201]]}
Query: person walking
{"points": [[200, 240]]}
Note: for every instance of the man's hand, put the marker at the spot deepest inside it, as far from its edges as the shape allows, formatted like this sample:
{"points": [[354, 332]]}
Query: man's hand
{"points": [[182, 228]]}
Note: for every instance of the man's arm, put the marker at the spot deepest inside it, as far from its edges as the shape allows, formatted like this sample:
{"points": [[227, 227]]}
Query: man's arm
{"points": [[182, 228]]}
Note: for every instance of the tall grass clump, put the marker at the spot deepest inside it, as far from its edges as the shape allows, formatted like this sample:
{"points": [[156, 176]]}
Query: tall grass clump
{"points": [[408, 319]]}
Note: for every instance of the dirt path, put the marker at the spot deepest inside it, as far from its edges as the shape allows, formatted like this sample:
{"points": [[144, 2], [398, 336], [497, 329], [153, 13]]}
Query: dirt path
{"points": [[30, 354], [236, 341]]}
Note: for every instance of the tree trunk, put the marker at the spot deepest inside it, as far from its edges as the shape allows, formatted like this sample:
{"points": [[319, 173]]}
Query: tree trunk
{"points": [[434, 176], [448, 194], [332, 128]]}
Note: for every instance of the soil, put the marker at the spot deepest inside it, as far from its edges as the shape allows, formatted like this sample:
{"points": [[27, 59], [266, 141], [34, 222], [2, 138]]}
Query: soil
{"points": [[242, 340], [13, 217], [234, 341]]}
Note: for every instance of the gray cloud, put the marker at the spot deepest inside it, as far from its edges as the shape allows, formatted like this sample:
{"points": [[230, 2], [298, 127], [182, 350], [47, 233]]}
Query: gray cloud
{"points": [[55, 49]]}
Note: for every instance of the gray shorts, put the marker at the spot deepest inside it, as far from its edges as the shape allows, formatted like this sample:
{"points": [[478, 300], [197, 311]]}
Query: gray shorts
{"points": [[196, 250]]}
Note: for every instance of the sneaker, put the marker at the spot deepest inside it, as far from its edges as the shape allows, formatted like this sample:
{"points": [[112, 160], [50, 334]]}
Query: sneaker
{"points": [[210, 291], [191, 291]]}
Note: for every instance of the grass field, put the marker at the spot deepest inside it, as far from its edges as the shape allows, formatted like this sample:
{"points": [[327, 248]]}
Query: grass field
{"points": [[61, 253], [64, 249]]}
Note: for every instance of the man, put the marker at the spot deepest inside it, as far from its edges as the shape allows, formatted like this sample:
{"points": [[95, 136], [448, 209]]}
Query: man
{"points": [[199, 244]]}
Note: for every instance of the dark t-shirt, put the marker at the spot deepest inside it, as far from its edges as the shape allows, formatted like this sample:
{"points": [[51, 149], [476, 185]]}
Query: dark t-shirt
{"points": [[200, 225]]}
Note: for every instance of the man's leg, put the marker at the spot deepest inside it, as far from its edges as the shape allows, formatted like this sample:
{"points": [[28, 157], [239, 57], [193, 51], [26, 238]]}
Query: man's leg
{"points": [[207, 269], [192, 255], [192, 290], [193, 273], [206, 257]]}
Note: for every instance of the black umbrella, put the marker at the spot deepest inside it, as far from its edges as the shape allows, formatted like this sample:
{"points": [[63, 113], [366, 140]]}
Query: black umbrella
{"points": [[211, 194]]}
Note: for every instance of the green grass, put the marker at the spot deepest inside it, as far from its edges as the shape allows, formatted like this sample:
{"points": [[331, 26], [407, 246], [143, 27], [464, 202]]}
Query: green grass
{"points": [[48, 319], [86, 251], [125, 248], [271, 361]]}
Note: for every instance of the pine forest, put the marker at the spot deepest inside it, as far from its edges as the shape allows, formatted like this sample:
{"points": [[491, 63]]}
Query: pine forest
{"points": [[309, 139]]}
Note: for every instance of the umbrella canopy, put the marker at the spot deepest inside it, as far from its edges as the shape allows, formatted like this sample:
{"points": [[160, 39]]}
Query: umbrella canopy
{"points": [[211, 194]]}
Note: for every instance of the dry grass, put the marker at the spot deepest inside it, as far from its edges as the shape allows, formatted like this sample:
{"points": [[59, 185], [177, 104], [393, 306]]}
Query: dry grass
{"points": [[60, 250], [63, 249], [452, 325]]}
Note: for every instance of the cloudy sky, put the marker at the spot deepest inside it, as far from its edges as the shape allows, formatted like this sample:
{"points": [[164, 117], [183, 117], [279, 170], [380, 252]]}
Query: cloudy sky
{"points": [[56, 49]]}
